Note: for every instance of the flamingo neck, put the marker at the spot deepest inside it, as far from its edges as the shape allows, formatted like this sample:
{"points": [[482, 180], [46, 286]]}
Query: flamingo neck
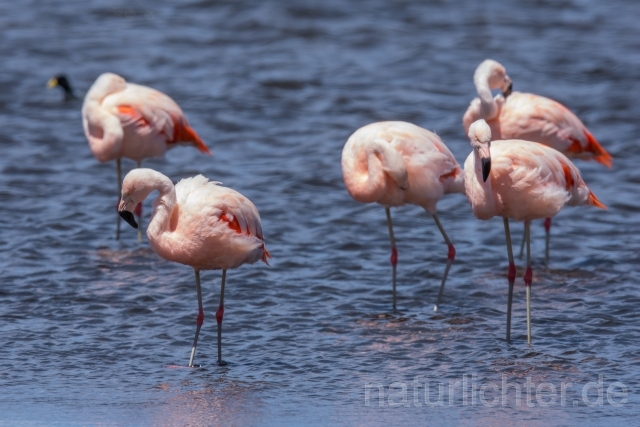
{"points": [[105, 85], [163, 208], [103, 130], [484, 202], [489, 107], [381, 159]]}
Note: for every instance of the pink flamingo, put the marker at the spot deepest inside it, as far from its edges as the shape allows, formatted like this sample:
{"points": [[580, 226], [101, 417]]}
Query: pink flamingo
{"points": [[200, 224], [393, 163], [521, 180], [123, 119], [515, 115]]}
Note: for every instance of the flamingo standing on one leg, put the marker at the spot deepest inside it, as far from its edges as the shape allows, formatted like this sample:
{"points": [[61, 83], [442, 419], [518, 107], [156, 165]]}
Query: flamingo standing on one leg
{"points": [[200, 224], [123, 119], [521, 180], [515, 115], [394, 163]]}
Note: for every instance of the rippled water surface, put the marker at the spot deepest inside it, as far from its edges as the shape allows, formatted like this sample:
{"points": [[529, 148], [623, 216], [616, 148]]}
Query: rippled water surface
{"points": [[89, 325]]}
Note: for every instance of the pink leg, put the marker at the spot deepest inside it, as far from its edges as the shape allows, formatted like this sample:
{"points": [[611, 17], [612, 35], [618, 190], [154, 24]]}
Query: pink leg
{"points": [[528, 278], [199, 319], [511, 276], [451, 255], [138, 212], [547, 228], [219, 316], [119, 195], [394, 254]]}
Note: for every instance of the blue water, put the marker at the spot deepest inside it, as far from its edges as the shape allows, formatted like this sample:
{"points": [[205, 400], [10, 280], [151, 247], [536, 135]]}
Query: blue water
{"points": [[89, 325]]}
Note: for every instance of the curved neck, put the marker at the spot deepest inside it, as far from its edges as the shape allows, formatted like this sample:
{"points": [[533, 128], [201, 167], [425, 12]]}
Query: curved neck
{"points": [[488, 106], [103, 130], [381, 160], [163, 206], [105, 85], [484, 203]]}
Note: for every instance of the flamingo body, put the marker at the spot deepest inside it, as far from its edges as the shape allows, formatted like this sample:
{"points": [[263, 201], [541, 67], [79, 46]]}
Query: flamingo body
{"points": [[123, 119], [214, 227], [529, 117], [527, 181], [198, 222], [395, 163]]}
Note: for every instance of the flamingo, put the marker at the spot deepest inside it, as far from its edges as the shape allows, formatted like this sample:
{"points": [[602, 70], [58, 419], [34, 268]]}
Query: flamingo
{"points": [[521, 180], [123, 119], [200, 224], [394, 163], [525, 116]]}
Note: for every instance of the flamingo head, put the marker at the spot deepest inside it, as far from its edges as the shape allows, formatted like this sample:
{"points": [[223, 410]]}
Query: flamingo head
{"points": [[480, 138], [135, 188], [496, 75], [125, 209]]}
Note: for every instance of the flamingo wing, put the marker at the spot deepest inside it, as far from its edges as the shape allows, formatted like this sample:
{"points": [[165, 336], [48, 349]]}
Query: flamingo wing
{"points": [[240, 215], [152, 112], [547, 177], [451, 168], [574, 183], [224, 210], [539, 119]]}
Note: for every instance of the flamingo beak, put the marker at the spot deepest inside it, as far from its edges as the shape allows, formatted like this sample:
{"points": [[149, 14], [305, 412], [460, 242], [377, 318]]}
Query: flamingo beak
{"points": [[486, 168], [506, 91], [53, 82], [128, 216]]}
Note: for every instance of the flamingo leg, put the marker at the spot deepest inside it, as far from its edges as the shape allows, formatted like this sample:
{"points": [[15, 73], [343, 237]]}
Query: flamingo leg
{"points": [[547, 229], [139, 213], [524, 237], [199, 319], [511, 275], [528, 277], [119, 195], [219, 316], [394, 253], [450, 257]]}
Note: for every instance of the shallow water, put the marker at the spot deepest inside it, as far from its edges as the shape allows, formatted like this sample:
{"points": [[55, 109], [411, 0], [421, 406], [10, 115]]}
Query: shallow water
{"points": [[89, 325]]}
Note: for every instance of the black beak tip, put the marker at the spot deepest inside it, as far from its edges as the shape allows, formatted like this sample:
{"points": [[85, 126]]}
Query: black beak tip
{"points": [[508, 91], [486, 169], [128, 216]]}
